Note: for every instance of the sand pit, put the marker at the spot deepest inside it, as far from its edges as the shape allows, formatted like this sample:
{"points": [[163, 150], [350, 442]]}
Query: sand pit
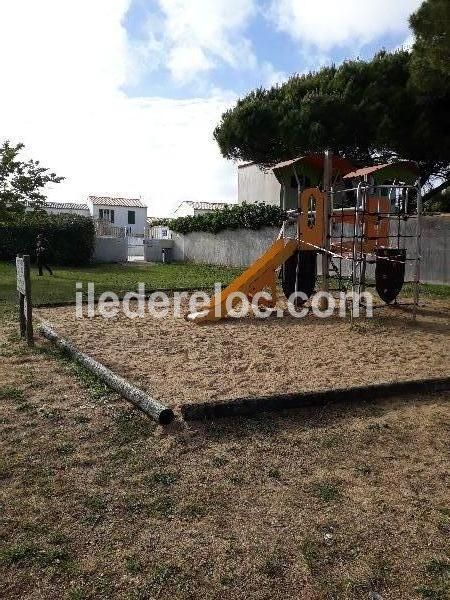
{"points": [[179, 362]]}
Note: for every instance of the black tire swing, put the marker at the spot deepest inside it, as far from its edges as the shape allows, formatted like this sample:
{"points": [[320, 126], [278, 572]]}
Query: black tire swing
{"points": [[298, 273], [389, 273]]}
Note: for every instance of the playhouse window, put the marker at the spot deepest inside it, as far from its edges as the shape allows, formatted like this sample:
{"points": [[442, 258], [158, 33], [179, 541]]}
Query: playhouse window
{"points": [[311, 212]]}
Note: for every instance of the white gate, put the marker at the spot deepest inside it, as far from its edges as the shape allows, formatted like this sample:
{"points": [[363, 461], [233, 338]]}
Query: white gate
{"points": [[135, 247]]}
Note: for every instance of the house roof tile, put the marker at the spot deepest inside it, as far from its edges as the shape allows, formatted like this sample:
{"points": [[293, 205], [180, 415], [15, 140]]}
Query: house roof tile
{"points": [[110, 201], [66, 205], [204, 205]]}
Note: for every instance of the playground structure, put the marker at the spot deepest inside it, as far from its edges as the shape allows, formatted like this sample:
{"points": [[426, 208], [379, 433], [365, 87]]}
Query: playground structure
{"points": [[351, 219]]}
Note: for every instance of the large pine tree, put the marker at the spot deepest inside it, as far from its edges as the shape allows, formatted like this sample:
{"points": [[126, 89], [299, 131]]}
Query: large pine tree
{"points": [[368, 111]]}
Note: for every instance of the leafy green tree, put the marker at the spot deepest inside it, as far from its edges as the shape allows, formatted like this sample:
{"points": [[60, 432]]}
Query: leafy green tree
{"points": [[438, 202], [430, 76], [367, 111], [21, 183], [430, 64], [352, 110]]}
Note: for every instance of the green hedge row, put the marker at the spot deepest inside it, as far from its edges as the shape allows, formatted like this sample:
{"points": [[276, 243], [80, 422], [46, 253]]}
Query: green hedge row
{"points": [[71, 238], [237, 216]]}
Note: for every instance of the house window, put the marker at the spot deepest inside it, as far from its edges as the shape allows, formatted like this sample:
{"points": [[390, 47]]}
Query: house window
{"points": [[105, 214], [131, 217]]}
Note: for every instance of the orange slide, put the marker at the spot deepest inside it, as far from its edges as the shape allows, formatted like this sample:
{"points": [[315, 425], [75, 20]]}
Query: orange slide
{"points": [[258, 276]]}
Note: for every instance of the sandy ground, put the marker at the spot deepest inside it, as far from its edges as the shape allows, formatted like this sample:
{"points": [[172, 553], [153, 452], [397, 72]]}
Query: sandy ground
{"points": [[344, 502], [179, 362]]}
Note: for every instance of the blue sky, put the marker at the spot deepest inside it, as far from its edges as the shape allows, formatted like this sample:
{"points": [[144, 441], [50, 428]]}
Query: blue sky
{"points": [[122, 96], [270, 42]]}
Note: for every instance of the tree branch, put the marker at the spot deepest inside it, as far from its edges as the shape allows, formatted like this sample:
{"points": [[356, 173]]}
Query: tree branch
{"points": [[436, 190]]}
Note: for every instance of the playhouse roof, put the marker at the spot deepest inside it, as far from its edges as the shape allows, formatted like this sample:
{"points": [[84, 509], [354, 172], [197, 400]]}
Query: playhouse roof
{"points": [[403, 164], [316, 161]]}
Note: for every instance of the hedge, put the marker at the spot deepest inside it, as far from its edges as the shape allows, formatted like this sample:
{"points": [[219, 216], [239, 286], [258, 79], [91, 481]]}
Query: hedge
{"points": [[71, 238], [237, 216]]}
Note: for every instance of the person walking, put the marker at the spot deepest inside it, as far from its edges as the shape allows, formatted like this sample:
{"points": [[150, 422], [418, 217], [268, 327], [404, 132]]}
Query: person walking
{"points": [[41, 252]]}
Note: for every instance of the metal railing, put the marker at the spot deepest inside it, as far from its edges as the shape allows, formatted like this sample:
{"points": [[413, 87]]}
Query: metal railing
{"points": [[158, 232], [105, 228]]}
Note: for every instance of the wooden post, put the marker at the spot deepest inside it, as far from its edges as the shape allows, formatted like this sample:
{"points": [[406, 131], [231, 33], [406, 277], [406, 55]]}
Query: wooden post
{"points": [[25, 301], [327, 173], [416, 285], [22, 321]]}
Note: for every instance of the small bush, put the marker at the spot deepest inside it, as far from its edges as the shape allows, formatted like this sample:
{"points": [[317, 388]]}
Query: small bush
{"points": [[439, 203], [71, 238], [238, 216]]}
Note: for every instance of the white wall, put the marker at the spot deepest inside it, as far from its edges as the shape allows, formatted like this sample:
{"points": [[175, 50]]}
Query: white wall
{"points": [[231, 248], [256, 185], [110, 250], [153, 249], [240, 247], [121, 216]]}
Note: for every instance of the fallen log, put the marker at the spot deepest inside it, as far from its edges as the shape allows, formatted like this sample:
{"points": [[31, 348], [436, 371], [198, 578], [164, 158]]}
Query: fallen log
{"points": [[247, 406], [140, 399]]}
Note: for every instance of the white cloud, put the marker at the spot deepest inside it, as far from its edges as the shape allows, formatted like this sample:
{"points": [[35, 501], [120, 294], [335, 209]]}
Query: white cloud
{"points": [[271, 76], [63, 99], [196, 34], [64, 65], [326, 24], [186, 61]]}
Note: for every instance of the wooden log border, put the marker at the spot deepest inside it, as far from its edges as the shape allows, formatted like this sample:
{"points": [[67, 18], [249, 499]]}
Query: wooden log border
{"points": [[140, 399], [249, 406]]}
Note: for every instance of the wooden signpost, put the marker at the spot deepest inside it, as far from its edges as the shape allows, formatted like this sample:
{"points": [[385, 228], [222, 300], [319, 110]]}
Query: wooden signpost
{"points": [[25, 304]]}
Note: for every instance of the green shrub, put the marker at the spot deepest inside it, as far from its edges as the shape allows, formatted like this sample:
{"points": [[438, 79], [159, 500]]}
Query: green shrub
{"points": [[237, 216], [71, 238], [438, 203]]}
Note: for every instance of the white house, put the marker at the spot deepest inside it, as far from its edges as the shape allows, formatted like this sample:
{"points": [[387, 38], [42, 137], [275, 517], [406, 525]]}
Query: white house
{"points": [[159, 232], [128, 213], [257, 185], [189, 208], [60, 208]]}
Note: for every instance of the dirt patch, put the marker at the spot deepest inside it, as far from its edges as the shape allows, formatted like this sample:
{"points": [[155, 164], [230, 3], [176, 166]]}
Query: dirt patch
{"points": [[178, 361], [99, 502]]}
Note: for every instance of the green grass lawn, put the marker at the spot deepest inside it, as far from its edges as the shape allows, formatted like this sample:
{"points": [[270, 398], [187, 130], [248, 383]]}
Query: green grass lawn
{"points": [[119, 278], [122, 278]]}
